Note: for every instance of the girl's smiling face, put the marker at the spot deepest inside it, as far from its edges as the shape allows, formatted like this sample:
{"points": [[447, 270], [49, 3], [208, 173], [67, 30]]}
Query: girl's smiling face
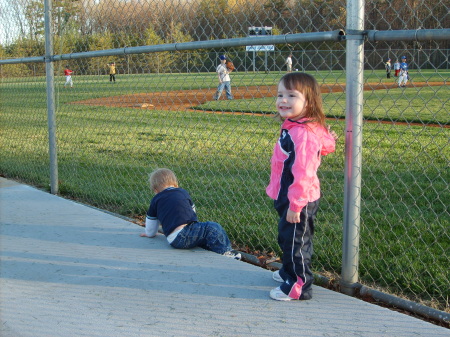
{"points": [[290, 103]]}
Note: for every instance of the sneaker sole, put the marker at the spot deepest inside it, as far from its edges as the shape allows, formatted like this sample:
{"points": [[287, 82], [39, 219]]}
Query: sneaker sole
{"points": [[284, 298], [281, 299]]}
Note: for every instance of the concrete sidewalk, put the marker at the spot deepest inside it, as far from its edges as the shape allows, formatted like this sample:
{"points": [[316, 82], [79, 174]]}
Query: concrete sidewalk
{"points": [[69, 270]]}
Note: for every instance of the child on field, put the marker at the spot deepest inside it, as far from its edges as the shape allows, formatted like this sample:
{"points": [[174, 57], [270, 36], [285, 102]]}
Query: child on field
{"points": [[396, 68], [294, 184], [172, 207], [288, 63], [112, 72], [403, 74], [224, 79], [68, 74], [388, 68]]}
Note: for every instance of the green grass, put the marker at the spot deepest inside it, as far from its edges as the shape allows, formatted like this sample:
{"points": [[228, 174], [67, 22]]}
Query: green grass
{"points": [[105, 155], [429, 106], [411, 105]]}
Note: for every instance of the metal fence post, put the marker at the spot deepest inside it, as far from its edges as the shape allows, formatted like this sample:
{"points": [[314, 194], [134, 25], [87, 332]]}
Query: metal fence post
{"points": [[353, 144], [50, 79]]}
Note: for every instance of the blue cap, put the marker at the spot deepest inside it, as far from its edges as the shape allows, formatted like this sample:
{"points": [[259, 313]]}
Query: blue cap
{"points": [[403, 57], [222, 57]]}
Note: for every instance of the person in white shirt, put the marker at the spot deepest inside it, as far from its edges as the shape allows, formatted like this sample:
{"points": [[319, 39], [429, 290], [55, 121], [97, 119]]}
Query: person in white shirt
{"points": [[289, 63], [403, 74], [396, 68], [224, 79]]}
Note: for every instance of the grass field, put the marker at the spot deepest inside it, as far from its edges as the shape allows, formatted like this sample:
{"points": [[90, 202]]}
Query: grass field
{"points": [[398, 105], [105, 154]]}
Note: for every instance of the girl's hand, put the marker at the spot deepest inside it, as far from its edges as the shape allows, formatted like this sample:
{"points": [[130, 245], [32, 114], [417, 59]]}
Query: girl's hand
{"points": [[293, 217], [332, 133]]}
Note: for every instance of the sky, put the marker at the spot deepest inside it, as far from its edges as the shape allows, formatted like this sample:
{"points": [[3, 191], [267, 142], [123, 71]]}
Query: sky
{"points": [[9, 26]]}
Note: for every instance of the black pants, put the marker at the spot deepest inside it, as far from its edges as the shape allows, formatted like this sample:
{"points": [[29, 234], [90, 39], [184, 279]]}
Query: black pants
{"points": [[296, 242], [112, 77]]}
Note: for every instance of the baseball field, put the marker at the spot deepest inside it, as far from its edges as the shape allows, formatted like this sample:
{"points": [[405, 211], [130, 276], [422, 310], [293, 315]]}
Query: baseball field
{"points": [[110, 136]]}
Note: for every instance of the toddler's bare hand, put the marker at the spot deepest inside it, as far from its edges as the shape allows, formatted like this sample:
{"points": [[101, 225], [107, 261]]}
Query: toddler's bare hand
{"points": [[143, 235]]}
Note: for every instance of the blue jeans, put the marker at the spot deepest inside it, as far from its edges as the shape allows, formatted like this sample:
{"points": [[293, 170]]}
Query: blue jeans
{"points": [[224, 85], [207, 235]]}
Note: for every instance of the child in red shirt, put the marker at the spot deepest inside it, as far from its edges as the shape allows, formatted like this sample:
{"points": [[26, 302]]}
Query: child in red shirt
{"points": [[68, 74]]}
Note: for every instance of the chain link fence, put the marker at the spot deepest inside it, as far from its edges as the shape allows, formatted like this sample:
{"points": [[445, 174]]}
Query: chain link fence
{"points": [[159, 111]]}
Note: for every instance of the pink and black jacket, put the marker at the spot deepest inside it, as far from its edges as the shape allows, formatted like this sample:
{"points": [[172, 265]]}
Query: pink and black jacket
{"points": [[295, 161]]}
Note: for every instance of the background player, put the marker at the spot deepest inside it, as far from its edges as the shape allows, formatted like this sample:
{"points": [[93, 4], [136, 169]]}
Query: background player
{"points": [[396, 68], [112, 72], [388, 67], [403, 74], [224, 79], [289, 63], [68, 74]]}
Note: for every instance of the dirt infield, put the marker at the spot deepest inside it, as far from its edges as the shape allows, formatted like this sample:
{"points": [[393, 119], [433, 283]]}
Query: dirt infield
{"points": [[185, 99]]}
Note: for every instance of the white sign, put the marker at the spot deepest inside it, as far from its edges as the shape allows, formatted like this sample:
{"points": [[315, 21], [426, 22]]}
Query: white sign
{"points": [[260, 48]]}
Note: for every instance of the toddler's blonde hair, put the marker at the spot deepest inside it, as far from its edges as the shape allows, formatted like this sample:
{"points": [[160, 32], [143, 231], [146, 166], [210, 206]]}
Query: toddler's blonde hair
{"points": [[161, 178]]}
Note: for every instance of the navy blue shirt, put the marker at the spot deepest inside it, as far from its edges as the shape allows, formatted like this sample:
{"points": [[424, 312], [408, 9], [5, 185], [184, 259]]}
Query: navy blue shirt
{"points": [[173, 207]]}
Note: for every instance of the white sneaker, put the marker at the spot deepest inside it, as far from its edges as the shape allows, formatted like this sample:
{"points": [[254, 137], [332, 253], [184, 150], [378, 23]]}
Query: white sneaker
{"points": [[278, 295], [276, 276], [233, 254]]}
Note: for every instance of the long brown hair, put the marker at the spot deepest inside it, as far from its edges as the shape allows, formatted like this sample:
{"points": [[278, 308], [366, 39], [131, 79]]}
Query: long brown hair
{"points": [[308, 86]]}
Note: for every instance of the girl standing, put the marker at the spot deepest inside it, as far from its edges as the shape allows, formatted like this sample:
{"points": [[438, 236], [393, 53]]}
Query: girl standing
{"points": [[294, 184]]}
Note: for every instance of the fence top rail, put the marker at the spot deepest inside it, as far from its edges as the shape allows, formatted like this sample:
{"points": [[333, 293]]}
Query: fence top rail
{"points": [[336, 35], [223, 43], [409, 35], [36, 59]]}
